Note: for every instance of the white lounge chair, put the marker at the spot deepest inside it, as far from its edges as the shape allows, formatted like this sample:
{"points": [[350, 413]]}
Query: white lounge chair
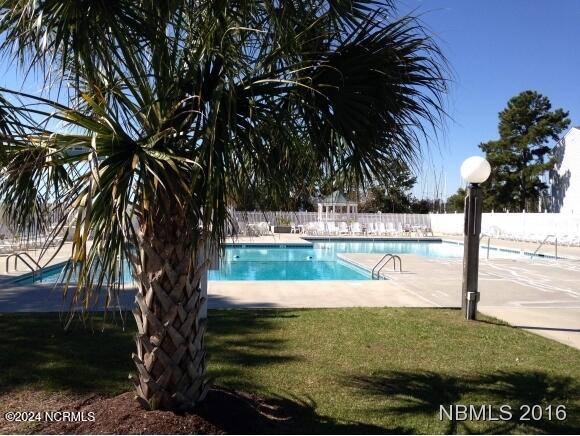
{"points": [[381, 229], [265, 228], [399, 229], [355, 229], [343, 228], [252, 229], [332, 228], [7, 248], [320, 228], [310, 228]]}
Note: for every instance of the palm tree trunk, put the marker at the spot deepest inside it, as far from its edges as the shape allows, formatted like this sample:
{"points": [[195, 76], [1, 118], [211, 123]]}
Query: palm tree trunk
{"points": [[171, 317]]}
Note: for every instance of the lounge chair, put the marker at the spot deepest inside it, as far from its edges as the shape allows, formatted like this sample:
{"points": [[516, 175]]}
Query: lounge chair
{"points": [[343, 228], [355, 229], [7, 248], [381, 229], [427, 230], [254, 229], [570, 240], [399, 229], [332, 228], [264, 228], [320, 228], [310, 228]]}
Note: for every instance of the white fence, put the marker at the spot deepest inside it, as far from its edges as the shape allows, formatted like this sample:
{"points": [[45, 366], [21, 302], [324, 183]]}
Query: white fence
{"points": [[516, 225], [274, 217], [510, 225]]}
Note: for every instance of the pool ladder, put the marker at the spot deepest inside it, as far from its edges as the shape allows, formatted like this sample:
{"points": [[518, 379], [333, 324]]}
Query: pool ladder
{"points": [[23, 256], [376, 272], [543, 242]]}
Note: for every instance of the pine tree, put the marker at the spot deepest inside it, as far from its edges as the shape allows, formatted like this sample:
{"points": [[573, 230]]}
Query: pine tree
{"points": [[521, 154], [455, 203], [392, 195]]}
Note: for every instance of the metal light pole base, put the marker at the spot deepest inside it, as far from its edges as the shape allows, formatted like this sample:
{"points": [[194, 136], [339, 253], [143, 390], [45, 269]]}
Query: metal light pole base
{"points": [[471, 231]]}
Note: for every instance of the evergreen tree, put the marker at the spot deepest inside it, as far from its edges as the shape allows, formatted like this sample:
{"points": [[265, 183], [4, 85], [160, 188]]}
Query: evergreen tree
{"points": [[456, 202], [521, 154], [394, 196]]}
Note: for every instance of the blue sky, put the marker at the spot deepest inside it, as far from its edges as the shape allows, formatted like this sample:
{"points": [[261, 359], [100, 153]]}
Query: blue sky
{"points": [[496, 50]]}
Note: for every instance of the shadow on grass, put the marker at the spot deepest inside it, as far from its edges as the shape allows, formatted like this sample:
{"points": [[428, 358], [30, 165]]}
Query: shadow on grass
{"points": [[36, 350], [239, 339], [422, 393], [239, 413]]}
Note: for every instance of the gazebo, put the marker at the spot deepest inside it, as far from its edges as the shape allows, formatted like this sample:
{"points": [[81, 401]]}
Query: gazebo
{"points": [[336, 206]]}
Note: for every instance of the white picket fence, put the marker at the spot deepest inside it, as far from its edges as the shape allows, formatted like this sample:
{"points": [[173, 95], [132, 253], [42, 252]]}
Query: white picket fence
{"points": [[301, 218]]}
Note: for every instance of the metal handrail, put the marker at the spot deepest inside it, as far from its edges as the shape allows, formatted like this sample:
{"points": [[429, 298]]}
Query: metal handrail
{"points": [[23, 259], [380, 264], [543, 242], [28, 256], [488, 240], [394, 258]]}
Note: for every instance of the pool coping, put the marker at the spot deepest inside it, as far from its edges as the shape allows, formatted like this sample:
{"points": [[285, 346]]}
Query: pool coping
{"points": [[433, 239], [359, 266], [15, 280], [268, 244]]}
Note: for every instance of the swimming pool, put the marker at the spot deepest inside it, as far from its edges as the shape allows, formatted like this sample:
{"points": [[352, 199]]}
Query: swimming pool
{"points": [[316, 261]]}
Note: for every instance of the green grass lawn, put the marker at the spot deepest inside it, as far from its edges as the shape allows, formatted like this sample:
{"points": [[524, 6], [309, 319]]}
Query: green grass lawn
{"points": [[336, 371]]}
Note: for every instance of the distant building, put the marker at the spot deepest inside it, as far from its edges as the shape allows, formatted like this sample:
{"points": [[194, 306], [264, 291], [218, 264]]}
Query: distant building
{"points": [[565, 177]]}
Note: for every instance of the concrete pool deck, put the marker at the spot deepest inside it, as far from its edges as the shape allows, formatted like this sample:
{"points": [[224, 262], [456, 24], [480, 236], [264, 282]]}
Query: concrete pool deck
{"points": [[542, 296]]}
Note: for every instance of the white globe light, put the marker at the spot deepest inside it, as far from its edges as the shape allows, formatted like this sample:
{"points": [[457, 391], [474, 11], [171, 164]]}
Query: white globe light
{"points": [[475, 169]]}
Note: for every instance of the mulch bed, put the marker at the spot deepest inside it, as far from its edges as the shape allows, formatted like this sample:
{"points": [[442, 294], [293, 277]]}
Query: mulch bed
{"points": [[222, 412]]}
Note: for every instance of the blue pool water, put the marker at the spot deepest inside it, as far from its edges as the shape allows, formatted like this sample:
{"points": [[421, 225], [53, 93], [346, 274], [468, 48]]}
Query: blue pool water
{"points": [[284, 263], [316, 262]]}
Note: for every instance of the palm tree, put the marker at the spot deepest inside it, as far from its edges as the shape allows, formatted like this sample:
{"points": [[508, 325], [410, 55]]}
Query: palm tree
{"points": [[154, 113]]}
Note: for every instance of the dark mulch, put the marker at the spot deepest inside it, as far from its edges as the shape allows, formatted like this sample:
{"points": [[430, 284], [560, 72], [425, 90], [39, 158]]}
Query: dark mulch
{"points": [[222, 412]]}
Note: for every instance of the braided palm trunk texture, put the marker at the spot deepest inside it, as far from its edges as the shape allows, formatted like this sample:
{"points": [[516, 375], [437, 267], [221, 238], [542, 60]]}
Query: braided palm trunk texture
{"points": [[171, 320]]}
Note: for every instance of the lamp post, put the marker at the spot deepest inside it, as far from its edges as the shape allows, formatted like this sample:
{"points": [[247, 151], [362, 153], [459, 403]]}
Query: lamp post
{"points": [[474, 170]]}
